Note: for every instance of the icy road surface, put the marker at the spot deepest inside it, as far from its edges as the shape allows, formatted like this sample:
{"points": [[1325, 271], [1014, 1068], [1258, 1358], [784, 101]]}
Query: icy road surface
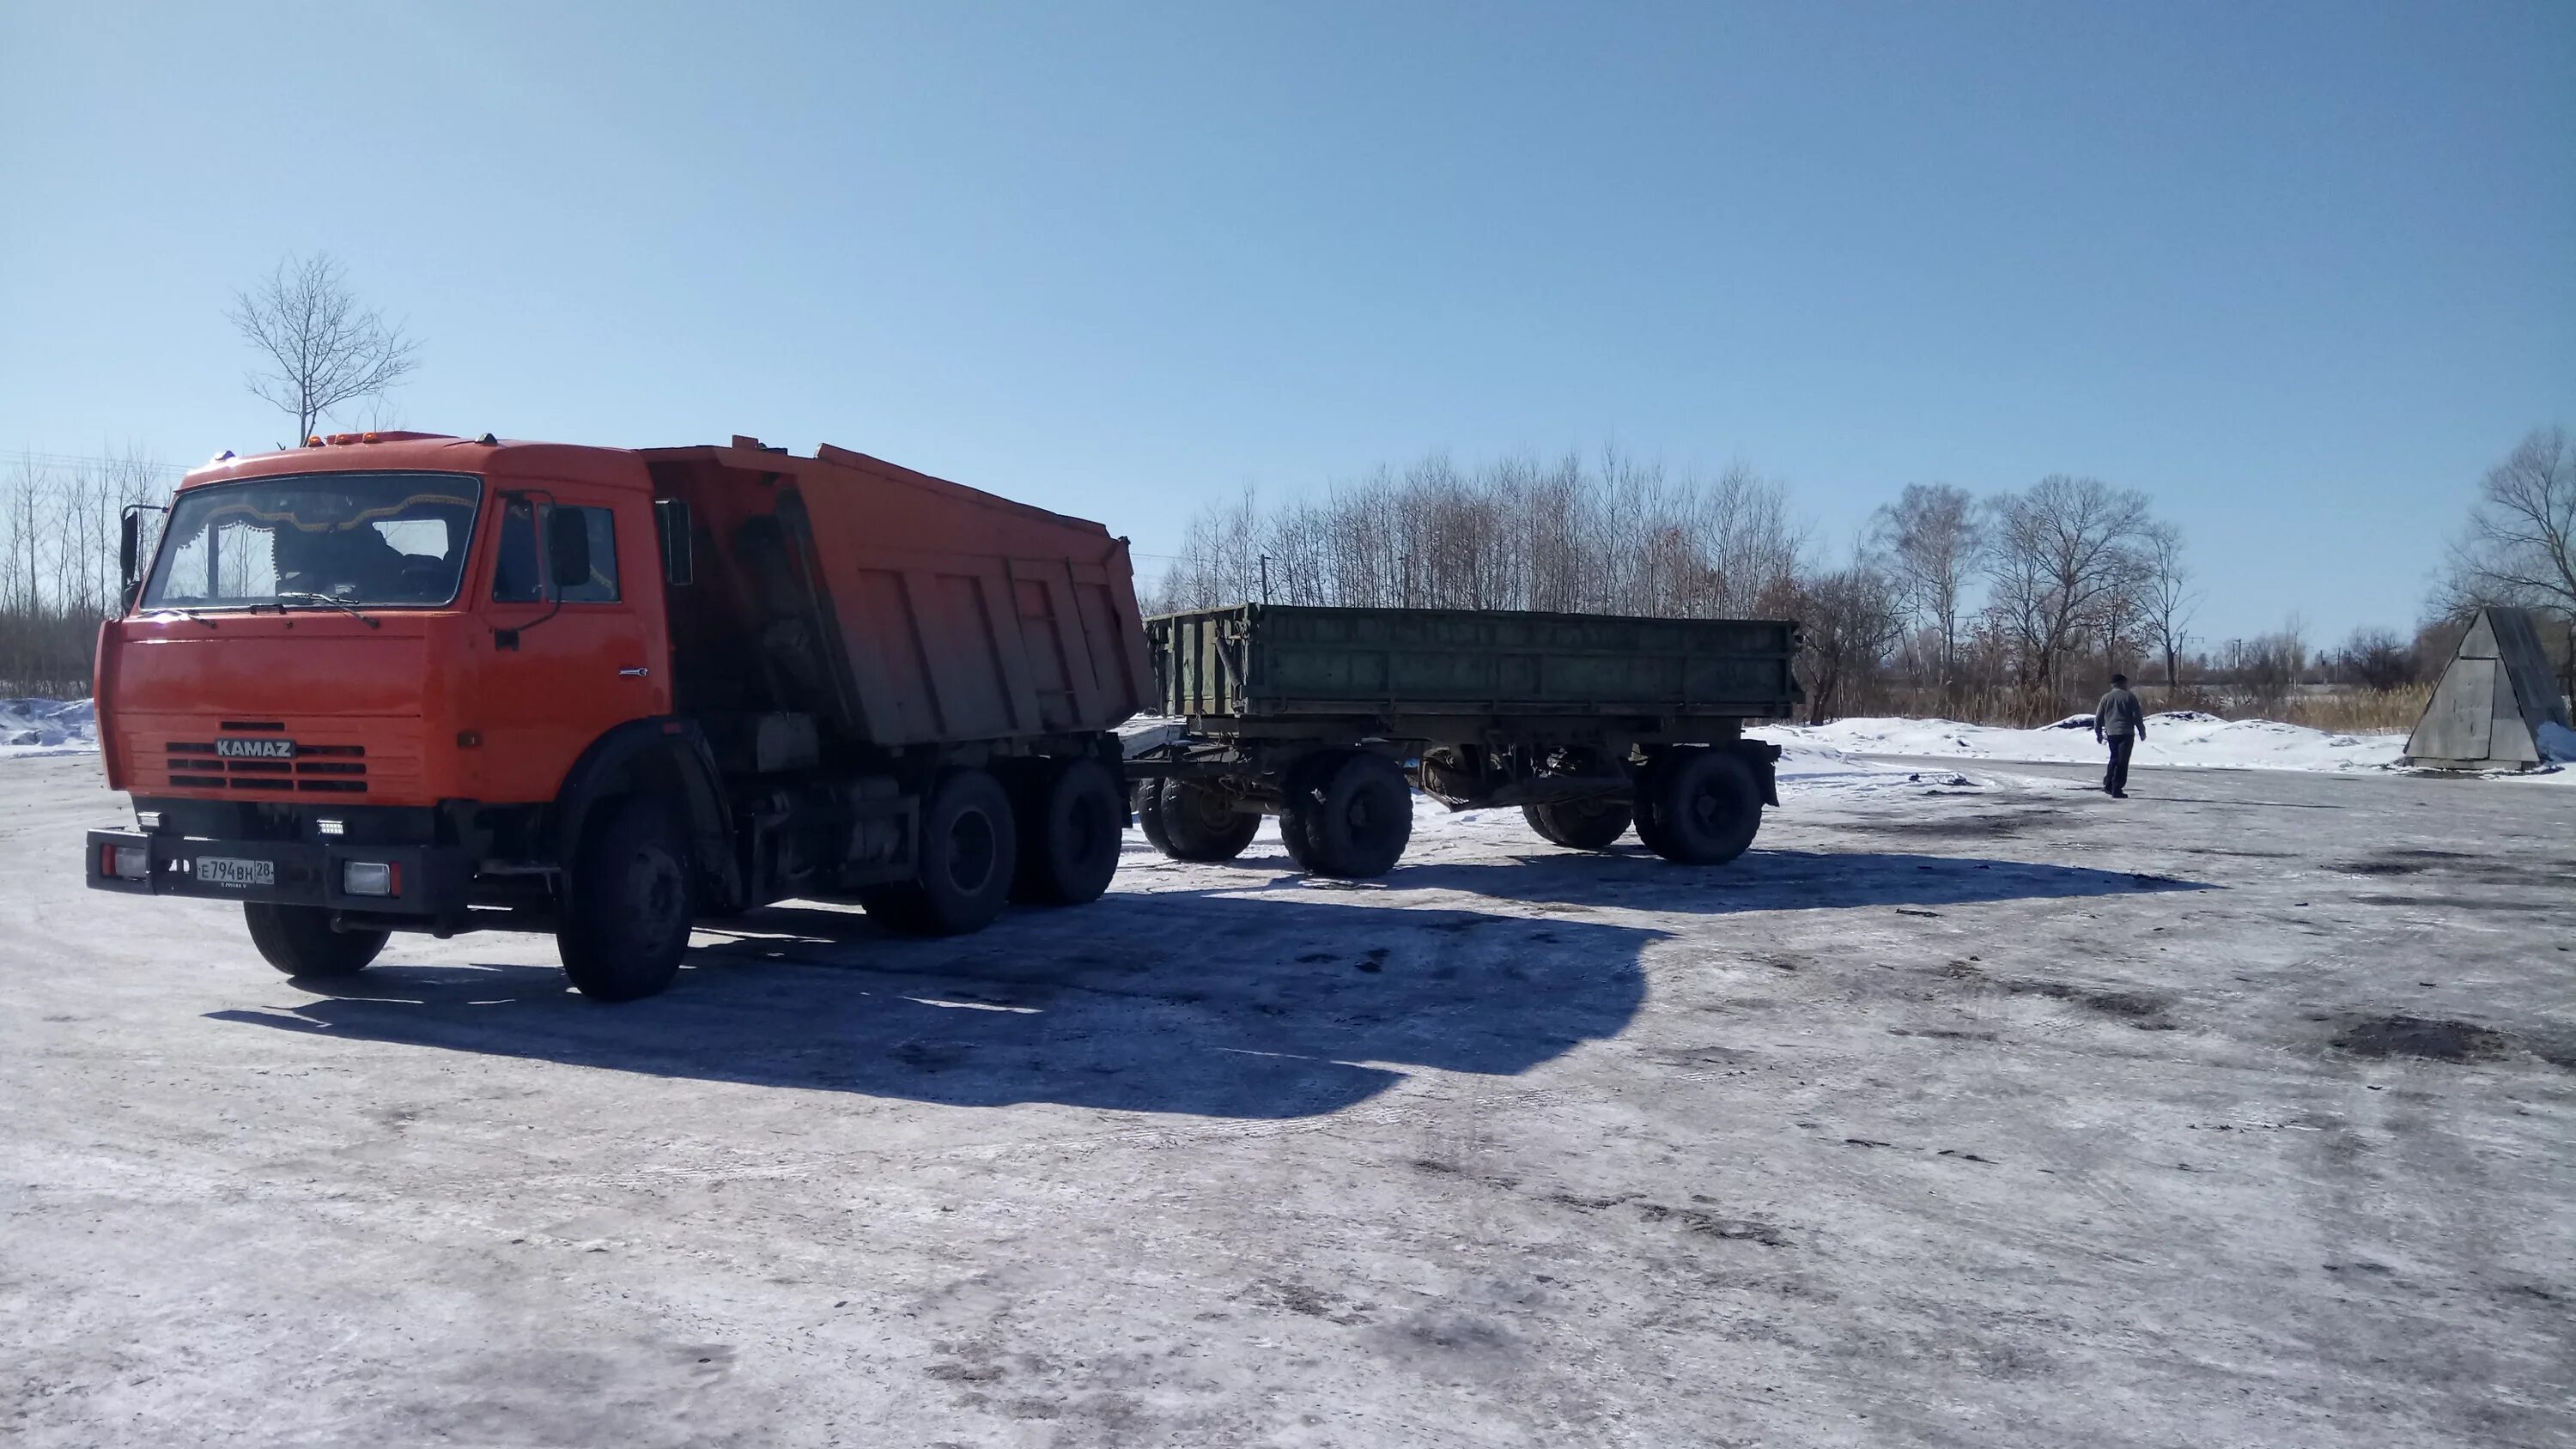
{"points": [[1973, 1113]]}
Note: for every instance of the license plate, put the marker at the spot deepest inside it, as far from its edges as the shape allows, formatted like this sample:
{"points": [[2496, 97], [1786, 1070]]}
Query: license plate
{"points": [[226, 871]]}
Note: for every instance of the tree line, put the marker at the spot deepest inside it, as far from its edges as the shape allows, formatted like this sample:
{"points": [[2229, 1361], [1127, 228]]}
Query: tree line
{"points": [[59, 525]]}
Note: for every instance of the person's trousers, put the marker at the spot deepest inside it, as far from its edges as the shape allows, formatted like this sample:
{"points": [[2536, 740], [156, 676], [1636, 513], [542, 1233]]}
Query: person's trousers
{"points": [[2116, 778]]}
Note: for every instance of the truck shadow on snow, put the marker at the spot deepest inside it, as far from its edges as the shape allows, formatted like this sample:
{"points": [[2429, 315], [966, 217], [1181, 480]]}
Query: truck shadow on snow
{"points": [[1220, 1005], [1211, 1005], [1771, 880]]}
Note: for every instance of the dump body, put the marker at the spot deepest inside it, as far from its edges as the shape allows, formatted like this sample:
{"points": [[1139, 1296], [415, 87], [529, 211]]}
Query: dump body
{"points": [[896, 608], [1267, 662]]}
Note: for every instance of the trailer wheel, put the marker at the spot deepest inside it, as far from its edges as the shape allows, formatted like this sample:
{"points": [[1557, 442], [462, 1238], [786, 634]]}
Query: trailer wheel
{"points": [[1300, 789], [1700, 806], [1148, 802], [1069, 843], [626, 919], [1357, 817], [1593, 824], [969, 852], [299, 941], [1201, 823]]}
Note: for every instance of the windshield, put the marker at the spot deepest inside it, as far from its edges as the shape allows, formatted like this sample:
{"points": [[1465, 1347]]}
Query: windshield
{"points": [[315, 540]]}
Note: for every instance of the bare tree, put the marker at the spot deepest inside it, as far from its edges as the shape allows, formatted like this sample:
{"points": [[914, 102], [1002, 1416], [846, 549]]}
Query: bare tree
{"points": [[322, 348], [2520, 544], [1930, 538], [2166, 593], [1850, 618], [2064, 557]]}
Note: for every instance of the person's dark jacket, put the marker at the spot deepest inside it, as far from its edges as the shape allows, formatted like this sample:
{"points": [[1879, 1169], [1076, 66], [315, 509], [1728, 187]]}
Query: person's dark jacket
{"points": [[2119, 714]]}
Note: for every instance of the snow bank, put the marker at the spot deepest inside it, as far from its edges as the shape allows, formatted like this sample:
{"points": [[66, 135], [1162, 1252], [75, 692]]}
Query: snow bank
{"points": [[2557, 742], [46, 727], [2180, 737]]}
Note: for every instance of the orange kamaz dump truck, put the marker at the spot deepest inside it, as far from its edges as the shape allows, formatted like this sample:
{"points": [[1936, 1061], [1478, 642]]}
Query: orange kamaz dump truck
{"points": [[401, 681]]}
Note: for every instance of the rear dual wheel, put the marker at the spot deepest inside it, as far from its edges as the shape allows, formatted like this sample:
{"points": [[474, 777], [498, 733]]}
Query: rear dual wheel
{"points": [[969, 856], [1069, 837]]}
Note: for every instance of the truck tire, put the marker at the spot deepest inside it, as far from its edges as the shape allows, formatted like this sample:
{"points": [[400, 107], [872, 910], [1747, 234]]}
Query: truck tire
{"points": [[1594, 824], [1149, 814], [627, 912], [1356, 817], [1069, 841], [1201, 823], [1298, 790], [969, 853], [1699, 806], [299, 941]]}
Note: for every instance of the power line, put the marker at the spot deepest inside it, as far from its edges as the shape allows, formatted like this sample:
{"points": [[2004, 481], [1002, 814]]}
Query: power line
{"points": [[83, 460]]}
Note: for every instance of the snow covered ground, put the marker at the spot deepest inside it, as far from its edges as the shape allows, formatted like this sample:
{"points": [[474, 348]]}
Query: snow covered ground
{"points": [[2180, 738], [1993, 1113], [46, 727]]}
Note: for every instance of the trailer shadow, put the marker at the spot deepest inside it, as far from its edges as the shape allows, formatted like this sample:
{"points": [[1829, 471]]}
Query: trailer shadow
{"points": [[1632, 878], [1172, 1002]]}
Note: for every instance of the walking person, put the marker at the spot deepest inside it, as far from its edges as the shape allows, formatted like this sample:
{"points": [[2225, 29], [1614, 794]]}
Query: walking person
{"points": [[2120, 723]]}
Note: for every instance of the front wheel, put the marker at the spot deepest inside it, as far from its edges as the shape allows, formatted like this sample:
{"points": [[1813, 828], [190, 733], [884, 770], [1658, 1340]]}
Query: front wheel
{"points": [[627, 907], [1200, 822], [1594, 824], [1353, 818], [299, 941]]}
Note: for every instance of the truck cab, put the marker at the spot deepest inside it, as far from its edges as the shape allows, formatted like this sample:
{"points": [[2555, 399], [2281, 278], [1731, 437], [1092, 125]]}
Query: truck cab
{"points": [[400, 681]]}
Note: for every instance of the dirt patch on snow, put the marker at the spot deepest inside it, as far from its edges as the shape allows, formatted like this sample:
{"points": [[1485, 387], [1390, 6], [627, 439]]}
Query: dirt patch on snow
{"points": [[2429, 1039]]}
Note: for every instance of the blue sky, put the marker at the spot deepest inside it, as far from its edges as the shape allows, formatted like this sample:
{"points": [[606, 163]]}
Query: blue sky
{"points": [[2301, 272]]}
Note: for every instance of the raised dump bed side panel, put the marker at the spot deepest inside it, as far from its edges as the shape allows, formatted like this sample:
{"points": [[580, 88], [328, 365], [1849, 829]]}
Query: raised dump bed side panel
{"points": [[1283, 661], [899, 608]]}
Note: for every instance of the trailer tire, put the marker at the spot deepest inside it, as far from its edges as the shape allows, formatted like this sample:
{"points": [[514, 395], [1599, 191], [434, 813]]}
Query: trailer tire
{"points": [[1699, 806], [969, 854], [1148, 801], [1298, 785], [1201, 823], [1593, 824], [1069, 842], [628, 908], [299, 941], [1357, 816]]}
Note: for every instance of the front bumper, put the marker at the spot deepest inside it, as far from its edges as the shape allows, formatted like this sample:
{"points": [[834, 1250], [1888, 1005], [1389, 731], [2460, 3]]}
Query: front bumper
{"points": [[432, 885]]}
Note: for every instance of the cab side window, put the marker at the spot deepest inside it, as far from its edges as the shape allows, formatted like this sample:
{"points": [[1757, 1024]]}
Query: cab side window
{"points": [[517, 576], [514, 571], [601, 586]]}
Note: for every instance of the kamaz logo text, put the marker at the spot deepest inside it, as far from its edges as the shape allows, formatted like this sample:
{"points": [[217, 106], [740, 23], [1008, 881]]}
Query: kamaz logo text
{"points": [[255, 749]]}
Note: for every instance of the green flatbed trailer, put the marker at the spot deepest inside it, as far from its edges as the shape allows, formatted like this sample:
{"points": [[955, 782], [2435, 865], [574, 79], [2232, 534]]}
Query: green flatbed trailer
{"points": [[1589, 722]]}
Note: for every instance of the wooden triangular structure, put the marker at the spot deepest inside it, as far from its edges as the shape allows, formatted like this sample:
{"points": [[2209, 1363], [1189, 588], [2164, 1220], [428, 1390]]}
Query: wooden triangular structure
{"points": [[2487, 712]]}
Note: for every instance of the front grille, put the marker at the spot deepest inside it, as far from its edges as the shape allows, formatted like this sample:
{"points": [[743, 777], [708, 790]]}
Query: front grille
{"points": [[315, 770]]}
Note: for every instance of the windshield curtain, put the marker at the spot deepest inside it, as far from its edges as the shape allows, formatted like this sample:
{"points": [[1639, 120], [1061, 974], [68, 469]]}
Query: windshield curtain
{"points": [[383, 540]]}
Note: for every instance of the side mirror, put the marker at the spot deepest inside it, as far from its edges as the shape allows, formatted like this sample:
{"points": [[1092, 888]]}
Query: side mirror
{"points": [[567, 548], [679, 551], [129, 547]]}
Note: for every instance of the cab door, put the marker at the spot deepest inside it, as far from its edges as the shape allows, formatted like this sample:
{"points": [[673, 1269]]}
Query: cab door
{"points": [[572, 644]]}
